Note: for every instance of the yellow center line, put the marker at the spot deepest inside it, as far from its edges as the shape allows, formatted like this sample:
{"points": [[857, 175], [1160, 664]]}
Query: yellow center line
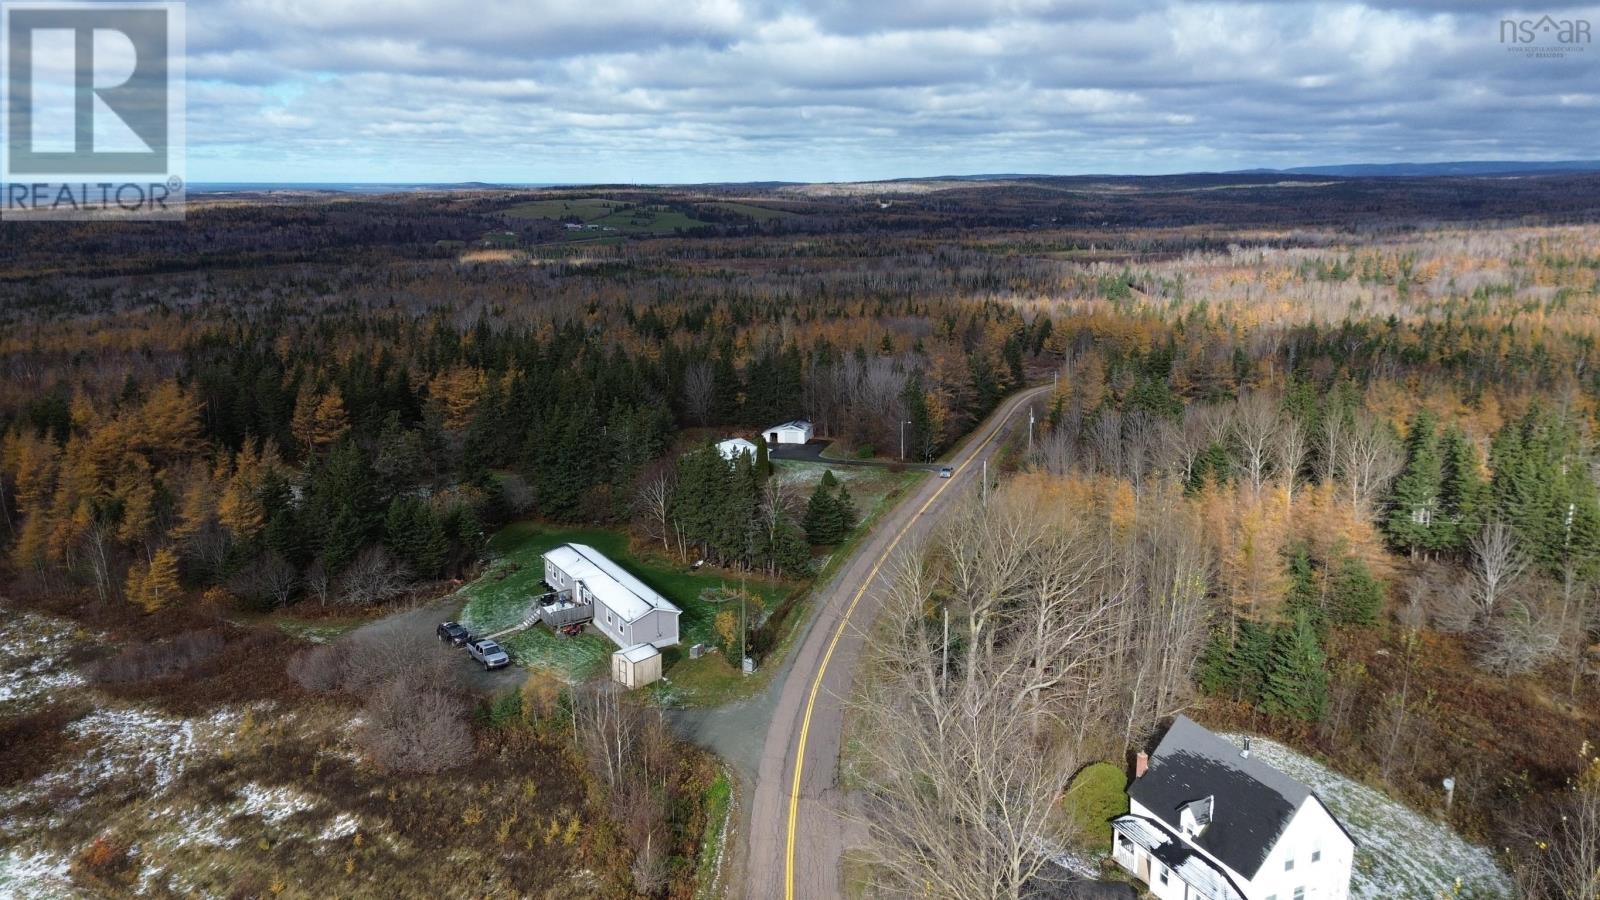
{"points": [[816, 683]]}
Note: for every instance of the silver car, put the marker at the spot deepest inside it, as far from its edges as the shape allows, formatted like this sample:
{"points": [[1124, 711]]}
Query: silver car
{"points": [[488, 653], [946, 471]]}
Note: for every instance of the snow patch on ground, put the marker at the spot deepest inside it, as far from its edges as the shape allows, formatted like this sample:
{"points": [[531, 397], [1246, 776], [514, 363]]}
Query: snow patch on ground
{"points": [[273, 804], [31, 650], [1399, 853], [342, 826], [37, 875]]}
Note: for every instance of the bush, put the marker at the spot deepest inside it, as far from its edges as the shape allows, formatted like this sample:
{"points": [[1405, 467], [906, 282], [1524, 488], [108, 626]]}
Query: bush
{"points": [[163, 659], [1098, 794], [411, 730], [318, 669]]}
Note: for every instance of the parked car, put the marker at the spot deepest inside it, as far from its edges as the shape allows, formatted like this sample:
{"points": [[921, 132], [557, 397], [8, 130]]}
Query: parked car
{"points": [[488, 653], [452, 634], [946, 471]]}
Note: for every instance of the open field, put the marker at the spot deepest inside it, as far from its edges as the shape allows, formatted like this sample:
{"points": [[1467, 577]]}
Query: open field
{"points": [[607, 216], [758, 213]]}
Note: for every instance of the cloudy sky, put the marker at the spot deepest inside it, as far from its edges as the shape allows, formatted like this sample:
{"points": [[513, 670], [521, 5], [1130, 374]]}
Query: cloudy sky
{"points": [[714, 90]]}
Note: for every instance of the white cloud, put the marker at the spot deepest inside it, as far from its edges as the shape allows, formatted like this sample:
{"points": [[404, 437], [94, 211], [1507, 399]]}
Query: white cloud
{"points": [[563, 90]]}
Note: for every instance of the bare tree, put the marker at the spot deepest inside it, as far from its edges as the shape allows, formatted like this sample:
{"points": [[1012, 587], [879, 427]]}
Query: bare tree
{"points": [[1522, 637], [654, 504], [699, 389], [269, 578], [1498, 562], [1562, 861], [1255, 428], [374, 577], [1289, 448], [959, 801], [1368, 458], [315, 580], [412, 729]]}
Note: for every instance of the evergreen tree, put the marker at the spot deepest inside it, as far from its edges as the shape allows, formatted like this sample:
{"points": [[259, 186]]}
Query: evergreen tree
{"points": [[1304, 595], [1463, 492], [763, 461], [1356, 596], [849, 516], [342, 509], [1414, 500], [824, 521], [1297, 682]]}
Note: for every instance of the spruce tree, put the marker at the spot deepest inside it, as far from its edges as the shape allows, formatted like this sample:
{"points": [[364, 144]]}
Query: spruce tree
{"points": [[824, 523], [1304, 596], [1296, 682], [849, 516], [1463, 493], [1414, 501], [1357, 596]]}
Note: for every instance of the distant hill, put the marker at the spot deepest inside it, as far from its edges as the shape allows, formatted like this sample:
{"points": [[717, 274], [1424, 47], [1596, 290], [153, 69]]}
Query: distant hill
{"points": [[1469, 167]]}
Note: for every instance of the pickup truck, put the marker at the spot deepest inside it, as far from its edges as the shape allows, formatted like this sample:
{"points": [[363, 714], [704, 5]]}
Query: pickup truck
{"points": [[452, 634], [488, 653]]}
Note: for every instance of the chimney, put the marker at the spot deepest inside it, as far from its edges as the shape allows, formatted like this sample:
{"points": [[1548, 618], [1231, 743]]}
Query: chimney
{"points": [[1141, 763], [1246, 751]]}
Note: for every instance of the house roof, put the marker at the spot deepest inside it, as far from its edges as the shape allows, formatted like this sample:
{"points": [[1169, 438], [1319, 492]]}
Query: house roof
{"points": [[801, 424], [1254, 802], [621, 593], [1193, 869], [735, 442]]}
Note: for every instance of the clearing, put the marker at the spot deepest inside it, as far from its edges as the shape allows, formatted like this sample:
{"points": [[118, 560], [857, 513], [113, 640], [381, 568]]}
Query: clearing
{"points": [[1399, 854], [751, 211], [503, 596], [607, 216]]}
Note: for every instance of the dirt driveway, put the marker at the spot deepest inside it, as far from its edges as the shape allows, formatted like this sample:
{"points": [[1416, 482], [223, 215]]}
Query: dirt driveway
{"points": [[422, 620]]}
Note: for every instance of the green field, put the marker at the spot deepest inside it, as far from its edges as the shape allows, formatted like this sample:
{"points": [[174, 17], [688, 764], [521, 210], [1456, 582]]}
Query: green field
{"points": [[586, 209], [606, 214], [504, 595], [758, 213]]}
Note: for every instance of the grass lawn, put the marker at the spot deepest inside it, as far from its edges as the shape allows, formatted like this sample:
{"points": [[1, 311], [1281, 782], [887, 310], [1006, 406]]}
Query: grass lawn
{"points": [[504, 595], [708, 871]]}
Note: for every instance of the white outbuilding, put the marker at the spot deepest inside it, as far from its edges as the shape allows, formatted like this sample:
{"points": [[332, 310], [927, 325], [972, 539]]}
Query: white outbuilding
{"points": [[625, 610], [732, 447], [636, 666], [796, 432]]}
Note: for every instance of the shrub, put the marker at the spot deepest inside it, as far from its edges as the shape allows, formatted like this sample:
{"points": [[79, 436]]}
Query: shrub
{"points": [[319, 669], [410, 730], [163, 659], [1098, 794]]}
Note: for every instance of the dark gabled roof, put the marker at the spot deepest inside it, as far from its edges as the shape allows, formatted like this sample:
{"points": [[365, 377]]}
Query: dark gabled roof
{"points": [[1254, 802]]}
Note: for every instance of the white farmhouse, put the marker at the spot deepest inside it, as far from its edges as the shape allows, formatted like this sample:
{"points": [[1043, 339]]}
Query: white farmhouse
{"points": [[625, 610], [732, 447], [1206, 821], [796, 432]]}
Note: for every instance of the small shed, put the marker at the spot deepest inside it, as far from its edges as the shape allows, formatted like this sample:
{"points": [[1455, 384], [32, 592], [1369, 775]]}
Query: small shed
{"points": [[636, 666], [732, 447], [796, 432]]}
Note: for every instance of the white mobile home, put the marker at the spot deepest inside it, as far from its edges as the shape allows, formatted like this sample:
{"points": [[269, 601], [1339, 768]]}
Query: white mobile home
{"points": [[1207, 821], [796, 432], [732, 447], [625, 610]]}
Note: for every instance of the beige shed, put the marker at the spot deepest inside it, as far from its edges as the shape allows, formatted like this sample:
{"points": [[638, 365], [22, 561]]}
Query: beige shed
{"points": [[636, 666]]}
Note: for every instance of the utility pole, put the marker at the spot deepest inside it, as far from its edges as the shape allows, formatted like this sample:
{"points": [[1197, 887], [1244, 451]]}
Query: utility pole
{"points": [[1030, 429], [986, 481], [903, 425]]}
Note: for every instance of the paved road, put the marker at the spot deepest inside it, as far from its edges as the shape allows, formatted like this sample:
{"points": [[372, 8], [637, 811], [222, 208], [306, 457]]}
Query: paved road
{"points": [[796, 836]]}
